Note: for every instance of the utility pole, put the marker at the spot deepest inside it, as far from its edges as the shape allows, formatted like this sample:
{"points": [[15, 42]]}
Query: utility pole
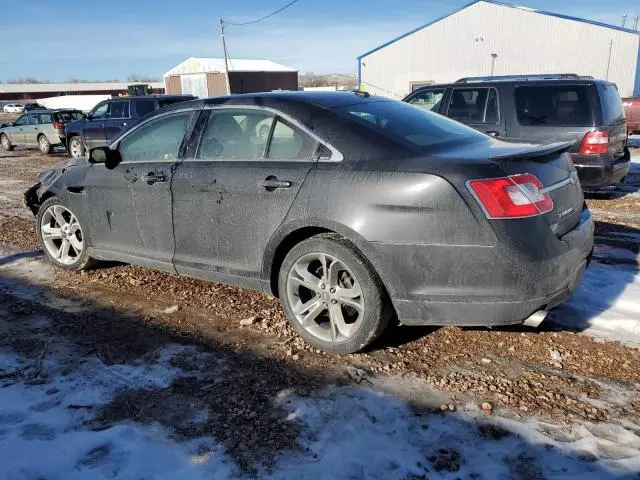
{"points": [[624, 19], [226, 59]]}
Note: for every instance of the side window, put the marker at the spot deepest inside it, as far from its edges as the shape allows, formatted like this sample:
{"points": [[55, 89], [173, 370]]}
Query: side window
{"points": [[33, 119], [119, 109], [289, 143], [144, 107], [428, 99], [23, 120], [492, 114], [100, 111], [235, 134], [467, 104], [157, 140], [46, 118], [554, 105]]}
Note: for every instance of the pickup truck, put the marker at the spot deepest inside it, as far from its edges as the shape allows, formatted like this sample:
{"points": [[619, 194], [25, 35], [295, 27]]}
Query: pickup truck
{"points": [[110, 118]]}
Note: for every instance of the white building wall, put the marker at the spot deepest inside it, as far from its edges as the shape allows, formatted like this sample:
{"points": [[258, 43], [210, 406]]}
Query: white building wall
{"points": [[525, 41]]}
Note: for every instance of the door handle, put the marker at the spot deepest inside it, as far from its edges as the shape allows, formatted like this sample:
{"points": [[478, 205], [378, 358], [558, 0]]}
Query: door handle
{"points": [[124, 124], [153, 177], [493, 133], [272, 183]]}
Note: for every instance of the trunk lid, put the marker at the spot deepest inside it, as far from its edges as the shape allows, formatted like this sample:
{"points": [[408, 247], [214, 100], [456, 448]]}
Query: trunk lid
{"points": [[552, 165]]}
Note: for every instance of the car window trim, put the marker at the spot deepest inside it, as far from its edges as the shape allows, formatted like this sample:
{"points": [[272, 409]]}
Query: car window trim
{"points": [[486, 100], [336, 155], [187, 135]]}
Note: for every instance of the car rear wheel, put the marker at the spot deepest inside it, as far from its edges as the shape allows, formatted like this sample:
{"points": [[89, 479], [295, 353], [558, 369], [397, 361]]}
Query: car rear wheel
{"points": [[332, 296], [44, 144], [6, 143], [76, 148], [61, 236]]}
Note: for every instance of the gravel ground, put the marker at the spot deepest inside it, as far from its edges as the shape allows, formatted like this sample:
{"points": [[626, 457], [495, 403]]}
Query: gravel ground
{"points": [[559, 375]]}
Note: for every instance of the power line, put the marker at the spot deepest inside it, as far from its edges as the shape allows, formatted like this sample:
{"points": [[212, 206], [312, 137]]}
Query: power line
{"points": [[263, 18]]}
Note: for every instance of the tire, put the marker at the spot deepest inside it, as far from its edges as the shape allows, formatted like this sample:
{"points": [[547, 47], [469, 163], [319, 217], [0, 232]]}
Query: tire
{"points": [[55, 240], [44, 145], [350, 292], [6, 143], [76, 147]]}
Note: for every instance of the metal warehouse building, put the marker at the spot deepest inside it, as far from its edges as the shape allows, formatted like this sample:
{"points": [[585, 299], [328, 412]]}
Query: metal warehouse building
{"points": [[205, 77], [34, 91], [488, 37]]}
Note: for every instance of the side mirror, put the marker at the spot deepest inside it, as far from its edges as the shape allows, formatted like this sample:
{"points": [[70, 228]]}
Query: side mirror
{"points": [[88, 116], [110, 158]]}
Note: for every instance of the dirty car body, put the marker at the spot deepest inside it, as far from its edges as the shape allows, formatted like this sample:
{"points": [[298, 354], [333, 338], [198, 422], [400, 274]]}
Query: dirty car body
{"points": [[413, 205]]}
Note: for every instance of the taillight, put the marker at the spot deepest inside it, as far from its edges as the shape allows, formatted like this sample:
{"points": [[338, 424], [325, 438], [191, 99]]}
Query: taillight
{"points": [[516, 196], [595, 143], [58, 125]]}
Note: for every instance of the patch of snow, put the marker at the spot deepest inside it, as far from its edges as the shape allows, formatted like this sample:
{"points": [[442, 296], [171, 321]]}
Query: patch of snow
{"points": [[606, 303], [357, 433]]}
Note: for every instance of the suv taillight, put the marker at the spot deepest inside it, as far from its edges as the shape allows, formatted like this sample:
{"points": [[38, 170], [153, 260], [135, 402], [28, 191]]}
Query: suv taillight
{"points": [[516, 196], [594, 143], [58, 125]]}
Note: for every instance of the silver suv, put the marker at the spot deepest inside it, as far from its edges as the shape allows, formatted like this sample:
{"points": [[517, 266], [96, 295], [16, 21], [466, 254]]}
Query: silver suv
{"points": [[42, 128]]}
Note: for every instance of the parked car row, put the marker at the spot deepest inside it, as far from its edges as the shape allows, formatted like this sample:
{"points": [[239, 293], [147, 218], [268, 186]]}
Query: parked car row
{"points": [[543, 109], [353, 209]]}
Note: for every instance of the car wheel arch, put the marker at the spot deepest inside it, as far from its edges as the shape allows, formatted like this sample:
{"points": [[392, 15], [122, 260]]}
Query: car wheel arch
{"points": [[288, 236]]}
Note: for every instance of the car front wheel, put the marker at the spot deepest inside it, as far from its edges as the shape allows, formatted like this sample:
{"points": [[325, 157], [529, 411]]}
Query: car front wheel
{"points": [[61, 236], [6, 143], [332, 296]]}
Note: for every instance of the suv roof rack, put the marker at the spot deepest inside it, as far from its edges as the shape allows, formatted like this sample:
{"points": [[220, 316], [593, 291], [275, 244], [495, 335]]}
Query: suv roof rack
{"points": [[526, 77]]}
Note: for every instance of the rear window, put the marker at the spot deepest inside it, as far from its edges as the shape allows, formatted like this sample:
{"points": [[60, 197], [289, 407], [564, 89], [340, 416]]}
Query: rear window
{"points": [[554, 105], [68, 116], [143, 107], [612, 108], [402, 122]]}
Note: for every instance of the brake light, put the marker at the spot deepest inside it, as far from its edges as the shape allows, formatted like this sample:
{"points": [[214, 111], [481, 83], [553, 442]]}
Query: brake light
{"points": [[595, 143], [58, 125], [516, 196]]}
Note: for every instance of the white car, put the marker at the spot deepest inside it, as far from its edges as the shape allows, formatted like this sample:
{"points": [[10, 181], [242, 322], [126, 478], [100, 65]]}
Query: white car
{"points": [[13, 108]]}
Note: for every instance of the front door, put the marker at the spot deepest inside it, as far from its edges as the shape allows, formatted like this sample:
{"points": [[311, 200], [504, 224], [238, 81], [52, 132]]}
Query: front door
{"points": [[129, 207], [230, 199], [94, 128], [118, 120], [31, 131], [16, 132]]}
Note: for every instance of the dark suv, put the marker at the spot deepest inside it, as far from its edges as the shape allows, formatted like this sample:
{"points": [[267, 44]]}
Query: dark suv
{"points": [[110, 118], [543, 109]]}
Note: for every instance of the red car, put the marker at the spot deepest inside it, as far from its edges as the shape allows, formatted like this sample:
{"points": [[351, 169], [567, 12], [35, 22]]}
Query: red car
{"points": [[632, 112]]}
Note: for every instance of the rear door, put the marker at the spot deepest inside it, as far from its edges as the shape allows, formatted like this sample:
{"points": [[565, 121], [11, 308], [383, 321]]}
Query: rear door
{"points": [[478, 107], [93, 130], [129, 207], [232, 196], [118, 119]]}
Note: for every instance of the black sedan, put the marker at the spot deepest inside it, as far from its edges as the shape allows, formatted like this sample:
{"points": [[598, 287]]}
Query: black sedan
{"points": [[353, 209]]}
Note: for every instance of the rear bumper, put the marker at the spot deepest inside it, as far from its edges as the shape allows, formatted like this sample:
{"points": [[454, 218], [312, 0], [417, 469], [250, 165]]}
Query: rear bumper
{"points": [[488, 286], [601, 171]]}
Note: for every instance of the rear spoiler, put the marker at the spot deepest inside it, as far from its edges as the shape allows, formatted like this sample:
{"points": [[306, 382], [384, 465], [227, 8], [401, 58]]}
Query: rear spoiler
{"points": [[535, 151]]}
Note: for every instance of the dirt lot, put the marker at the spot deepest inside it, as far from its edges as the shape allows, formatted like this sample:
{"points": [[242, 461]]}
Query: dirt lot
{"points": [[238, 357]]}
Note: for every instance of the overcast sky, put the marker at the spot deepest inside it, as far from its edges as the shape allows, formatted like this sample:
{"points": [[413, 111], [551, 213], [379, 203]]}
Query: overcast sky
{"points": [[112, 39]]}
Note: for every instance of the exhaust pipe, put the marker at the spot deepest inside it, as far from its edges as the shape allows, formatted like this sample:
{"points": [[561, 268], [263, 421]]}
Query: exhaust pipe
{"points": [[536, 318]]}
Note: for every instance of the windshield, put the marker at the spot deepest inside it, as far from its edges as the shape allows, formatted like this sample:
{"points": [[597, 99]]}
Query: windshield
{"points": [[408, 124]]}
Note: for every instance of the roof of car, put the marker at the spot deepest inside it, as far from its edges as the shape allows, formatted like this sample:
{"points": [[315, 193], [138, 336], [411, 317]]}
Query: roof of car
{"points": [[319, 99], [145, 97], [519, 81]]}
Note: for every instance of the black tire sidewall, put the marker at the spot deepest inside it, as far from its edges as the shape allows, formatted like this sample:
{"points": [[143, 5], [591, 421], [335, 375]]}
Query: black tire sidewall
{"points": [[376, 306], [83, 260]]}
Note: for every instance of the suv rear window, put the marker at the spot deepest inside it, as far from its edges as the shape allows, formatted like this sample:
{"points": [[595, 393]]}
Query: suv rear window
{"points": [[407, 124], [554, 105], [612, 108]]}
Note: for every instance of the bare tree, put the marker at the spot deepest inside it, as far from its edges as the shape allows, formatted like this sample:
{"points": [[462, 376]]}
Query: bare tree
{"points": [[26, 80], [311, 79], [134, 78]]}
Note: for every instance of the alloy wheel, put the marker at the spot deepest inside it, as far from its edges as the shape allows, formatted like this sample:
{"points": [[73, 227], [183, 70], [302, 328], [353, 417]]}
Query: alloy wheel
{"points": [[44, 144], [75, 148], [325, 297], [61, 234], [5, 142]]}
